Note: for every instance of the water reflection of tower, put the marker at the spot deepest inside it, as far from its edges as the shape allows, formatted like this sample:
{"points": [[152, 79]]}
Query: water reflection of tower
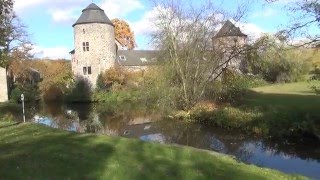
{"points": [[83, 110]]}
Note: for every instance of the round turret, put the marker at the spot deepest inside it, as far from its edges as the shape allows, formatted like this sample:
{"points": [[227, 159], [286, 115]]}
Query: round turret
{"points": [[94, 41]]}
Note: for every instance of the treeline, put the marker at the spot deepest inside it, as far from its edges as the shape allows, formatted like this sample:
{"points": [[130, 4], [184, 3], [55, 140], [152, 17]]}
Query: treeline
{"points": [[55, 78]]}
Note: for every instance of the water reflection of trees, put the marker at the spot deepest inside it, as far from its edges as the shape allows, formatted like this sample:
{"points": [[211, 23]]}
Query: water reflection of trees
{"points": [[294, 148], [60, 116], [114, 120]]}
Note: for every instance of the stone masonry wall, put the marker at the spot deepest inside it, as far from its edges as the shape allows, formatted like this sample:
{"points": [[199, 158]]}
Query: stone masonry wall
{"points": [[102, 50], [227, 44], [3, 85]]}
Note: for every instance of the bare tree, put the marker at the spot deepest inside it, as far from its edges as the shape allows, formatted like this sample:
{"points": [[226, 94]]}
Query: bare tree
{"points": [[305, 16], [15, 44], [16, 36], [184, 35]]}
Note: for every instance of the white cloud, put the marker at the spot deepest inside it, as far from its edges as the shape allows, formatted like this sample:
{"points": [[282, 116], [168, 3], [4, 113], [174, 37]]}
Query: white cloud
{"points": [[59, 10], [268, 12], [146, 24], [60, 16], [120, 8], [62, 11], [27, 5], [23, 4], [51, 53], [252, 30]]}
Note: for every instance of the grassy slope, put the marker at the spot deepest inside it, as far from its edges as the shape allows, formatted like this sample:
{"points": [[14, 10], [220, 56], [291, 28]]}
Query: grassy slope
{"points": [[290, 96], [37, 152], [299, 88], [295, 100]]}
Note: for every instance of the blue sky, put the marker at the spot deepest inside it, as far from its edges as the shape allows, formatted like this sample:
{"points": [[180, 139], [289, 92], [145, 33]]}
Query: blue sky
{"points": [[50, 22]]}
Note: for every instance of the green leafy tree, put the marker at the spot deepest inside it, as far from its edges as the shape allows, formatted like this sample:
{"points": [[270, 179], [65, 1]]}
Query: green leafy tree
{"points": [[274, 61], [5, 10]]}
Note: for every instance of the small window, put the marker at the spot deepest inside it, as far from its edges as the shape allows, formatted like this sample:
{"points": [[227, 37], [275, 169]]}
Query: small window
{"points": [[84, 70], [85, 46], [89, 69], [122, 57], [84, 31]]}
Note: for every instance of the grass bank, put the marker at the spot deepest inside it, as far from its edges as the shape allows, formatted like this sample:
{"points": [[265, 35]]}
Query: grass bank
{"points": [[279, 110], [36, 152]]}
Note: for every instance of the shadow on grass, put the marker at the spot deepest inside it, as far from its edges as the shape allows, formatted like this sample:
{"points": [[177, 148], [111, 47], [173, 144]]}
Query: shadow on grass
{"points": [[36, 152], [9, 124], [307, 103], [286, 114]]}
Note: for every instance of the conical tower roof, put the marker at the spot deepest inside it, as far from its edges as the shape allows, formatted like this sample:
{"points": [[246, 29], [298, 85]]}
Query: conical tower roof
{"points": [[93, 14], [229, 29]]}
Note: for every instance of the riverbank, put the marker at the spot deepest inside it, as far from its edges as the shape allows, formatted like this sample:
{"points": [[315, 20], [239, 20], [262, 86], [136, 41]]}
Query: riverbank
{"points": [[279, 111], [34, 151]]}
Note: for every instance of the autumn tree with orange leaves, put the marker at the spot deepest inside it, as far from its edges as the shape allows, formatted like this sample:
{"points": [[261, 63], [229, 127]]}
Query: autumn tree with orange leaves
{"points": [[124, 34]]}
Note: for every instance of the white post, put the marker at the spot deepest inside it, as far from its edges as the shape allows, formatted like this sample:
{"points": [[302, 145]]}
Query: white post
{"points": [[22, 99]]}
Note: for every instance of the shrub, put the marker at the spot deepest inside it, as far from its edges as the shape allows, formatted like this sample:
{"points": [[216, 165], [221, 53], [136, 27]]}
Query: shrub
{"points": [[117, 97], [274, 122], [54, 93], [15, 95], [314, 83], [272, 60], [30, 93], [227, 117], [233, 87], [117, 79], [114, 75], [284, 70], [101, 86], [158, 91], [79, 92]]}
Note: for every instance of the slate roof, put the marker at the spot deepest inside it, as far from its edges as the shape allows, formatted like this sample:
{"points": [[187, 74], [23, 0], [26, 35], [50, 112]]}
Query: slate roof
{"points": [[229, 29], [93, 14], [136, 57]]}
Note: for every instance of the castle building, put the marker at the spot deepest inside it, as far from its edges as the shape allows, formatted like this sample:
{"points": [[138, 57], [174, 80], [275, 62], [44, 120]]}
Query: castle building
{"points": [[230, 40], [94, 43], [96, 48]]}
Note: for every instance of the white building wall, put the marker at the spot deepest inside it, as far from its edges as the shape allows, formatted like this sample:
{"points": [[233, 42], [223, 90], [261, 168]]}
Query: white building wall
{"points": [[102, 50], [3, 85]]}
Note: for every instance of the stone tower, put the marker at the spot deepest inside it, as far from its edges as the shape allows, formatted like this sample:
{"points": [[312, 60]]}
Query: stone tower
{"points": [[94, 42], [231, 40]]}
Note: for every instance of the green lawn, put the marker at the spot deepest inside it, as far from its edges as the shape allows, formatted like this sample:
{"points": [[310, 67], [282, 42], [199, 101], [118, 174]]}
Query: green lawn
{"points": [[286, 108], [31, 151], [290, 96], [298, 88]]}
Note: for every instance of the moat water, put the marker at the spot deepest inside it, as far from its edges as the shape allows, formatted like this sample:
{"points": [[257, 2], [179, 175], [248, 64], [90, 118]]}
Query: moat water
{"points": [[296, 156]]}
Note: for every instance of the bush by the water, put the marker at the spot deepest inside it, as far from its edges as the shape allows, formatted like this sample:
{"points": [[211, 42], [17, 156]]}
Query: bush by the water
{"points": [[116, 97], [275, 122], [227, 117], [30, 93], [80, 91], [232, 87]]}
